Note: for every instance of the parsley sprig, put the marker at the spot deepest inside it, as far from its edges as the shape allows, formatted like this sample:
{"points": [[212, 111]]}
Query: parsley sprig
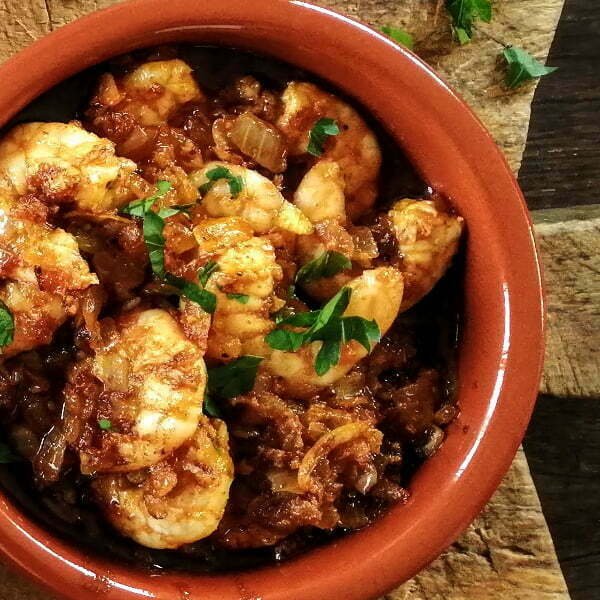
{"points": [[321, 130], [465, 13], [522, 67], [7, 325], [236, 183], [326, 325]]}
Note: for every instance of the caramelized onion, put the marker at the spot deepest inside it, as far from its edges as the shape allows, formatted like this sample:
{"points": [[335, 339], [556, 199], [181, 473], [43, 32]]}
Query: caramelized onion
{"points": [[330, 441], [259, 140]]}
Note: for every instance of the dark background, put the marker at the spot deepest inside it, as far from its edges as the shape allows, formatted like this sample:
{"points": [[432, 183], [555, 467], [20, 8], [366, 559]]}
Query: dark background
{"points": [[561, 167]]}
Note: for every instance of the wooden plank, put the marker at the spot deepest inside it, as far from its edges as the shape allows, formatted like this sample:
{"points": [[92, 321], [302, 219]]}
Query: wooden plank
{"points": [[562, 157], [563, 449], [569, 240]]}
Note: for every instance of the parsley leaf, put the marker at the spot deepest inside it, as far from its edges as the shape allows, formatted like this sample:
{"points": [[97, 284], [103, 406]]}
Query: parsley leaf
{"points": [[241, 298], [328, 326], [104, 424], [138, 208], [321, 130], [464, 14], [522, 67], [7, 325], [234, 378], [236, 183], [7, 455], [399, 35], [210, 406], [152, 227], [206, 271], [207, 300], [326, 265]]}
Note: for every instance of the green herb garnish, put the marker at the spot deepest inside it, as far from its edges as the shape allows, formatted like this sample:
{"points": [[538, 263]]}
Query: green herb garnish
{"points": [[104, 424], [241, 298], [138, 208], [153, 227], [7, 325], [522, 67], [326, 265], [234, 378], [206, 271], [328, 326], [321, 130], [399, 35], [465, 13], [236, 183], [207, 300]]}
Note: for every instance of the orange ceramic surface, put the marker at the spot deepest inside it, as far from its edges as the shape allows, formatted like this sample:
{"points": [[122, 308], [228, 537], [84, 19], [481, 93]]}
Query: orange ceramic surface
{"points": [[501, 350]]}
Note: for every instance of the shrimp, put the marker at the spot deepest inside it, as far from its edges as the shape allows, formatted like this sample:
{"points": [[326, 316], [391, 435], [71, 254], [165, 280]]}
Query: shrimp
{"points": [[36, 314], [321, 193], [134, 111], [152, 92], [244, 286], [259, 201], [177, 501], [146, 383], [376, 294], [43, 272], [62, 163], [355, 148], [427, 239]]}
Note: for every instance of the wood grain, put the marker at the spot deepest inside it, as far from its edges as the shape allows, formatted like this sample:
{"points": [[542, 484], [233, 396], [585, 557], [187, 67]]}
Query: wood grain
{"points": [[562, 159], [569, 241], [563, 449], [507, 553]]}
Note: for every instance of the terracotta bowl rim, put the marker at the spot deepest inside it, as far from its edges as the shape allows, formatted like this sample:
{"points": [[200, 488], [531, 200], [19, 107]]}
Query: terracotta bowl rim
{"points": [[504, 305]]}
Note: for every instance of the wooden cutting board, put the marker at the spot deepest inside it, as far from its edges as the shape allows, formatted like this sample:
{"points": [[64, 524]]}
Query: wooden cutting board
{"points": [[507, 553]]}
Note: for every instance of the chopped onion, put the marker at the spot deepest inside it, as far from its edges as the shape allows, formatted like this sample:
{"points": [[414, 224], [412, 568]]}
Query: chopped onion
{"points": [[260, 141], [330, 441], [365, 246]]}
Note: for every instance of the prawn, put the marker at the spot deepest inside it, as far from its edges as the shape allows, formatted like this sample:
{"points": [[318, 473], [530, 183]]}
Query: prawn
{"points": [[134, 111], [41, 275], [244, 285], [355, 148], [427, 239], [177, 501], [145, 382], [62, 163], [259, 201], [376, 295]]}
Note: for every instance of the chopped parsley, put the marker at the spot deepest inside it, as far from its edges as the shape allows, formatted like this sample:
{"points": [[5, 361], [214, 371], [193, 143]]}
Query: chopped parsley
{"points": [[241, 298], [236, 183], [522, 67], [326, 265], [206, 271], [104, 424], [139, 208], [233, 379], [321, 130], [153, 226], [7, 325], [328, 326], [399, 35], [465, 13], [192, 291]]}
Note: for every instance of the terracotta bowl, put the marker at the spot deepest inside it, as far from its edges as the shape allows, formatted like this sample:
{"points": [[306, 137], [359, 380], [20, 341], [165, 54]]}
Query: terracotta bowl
{"points": [[501, 351]]}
